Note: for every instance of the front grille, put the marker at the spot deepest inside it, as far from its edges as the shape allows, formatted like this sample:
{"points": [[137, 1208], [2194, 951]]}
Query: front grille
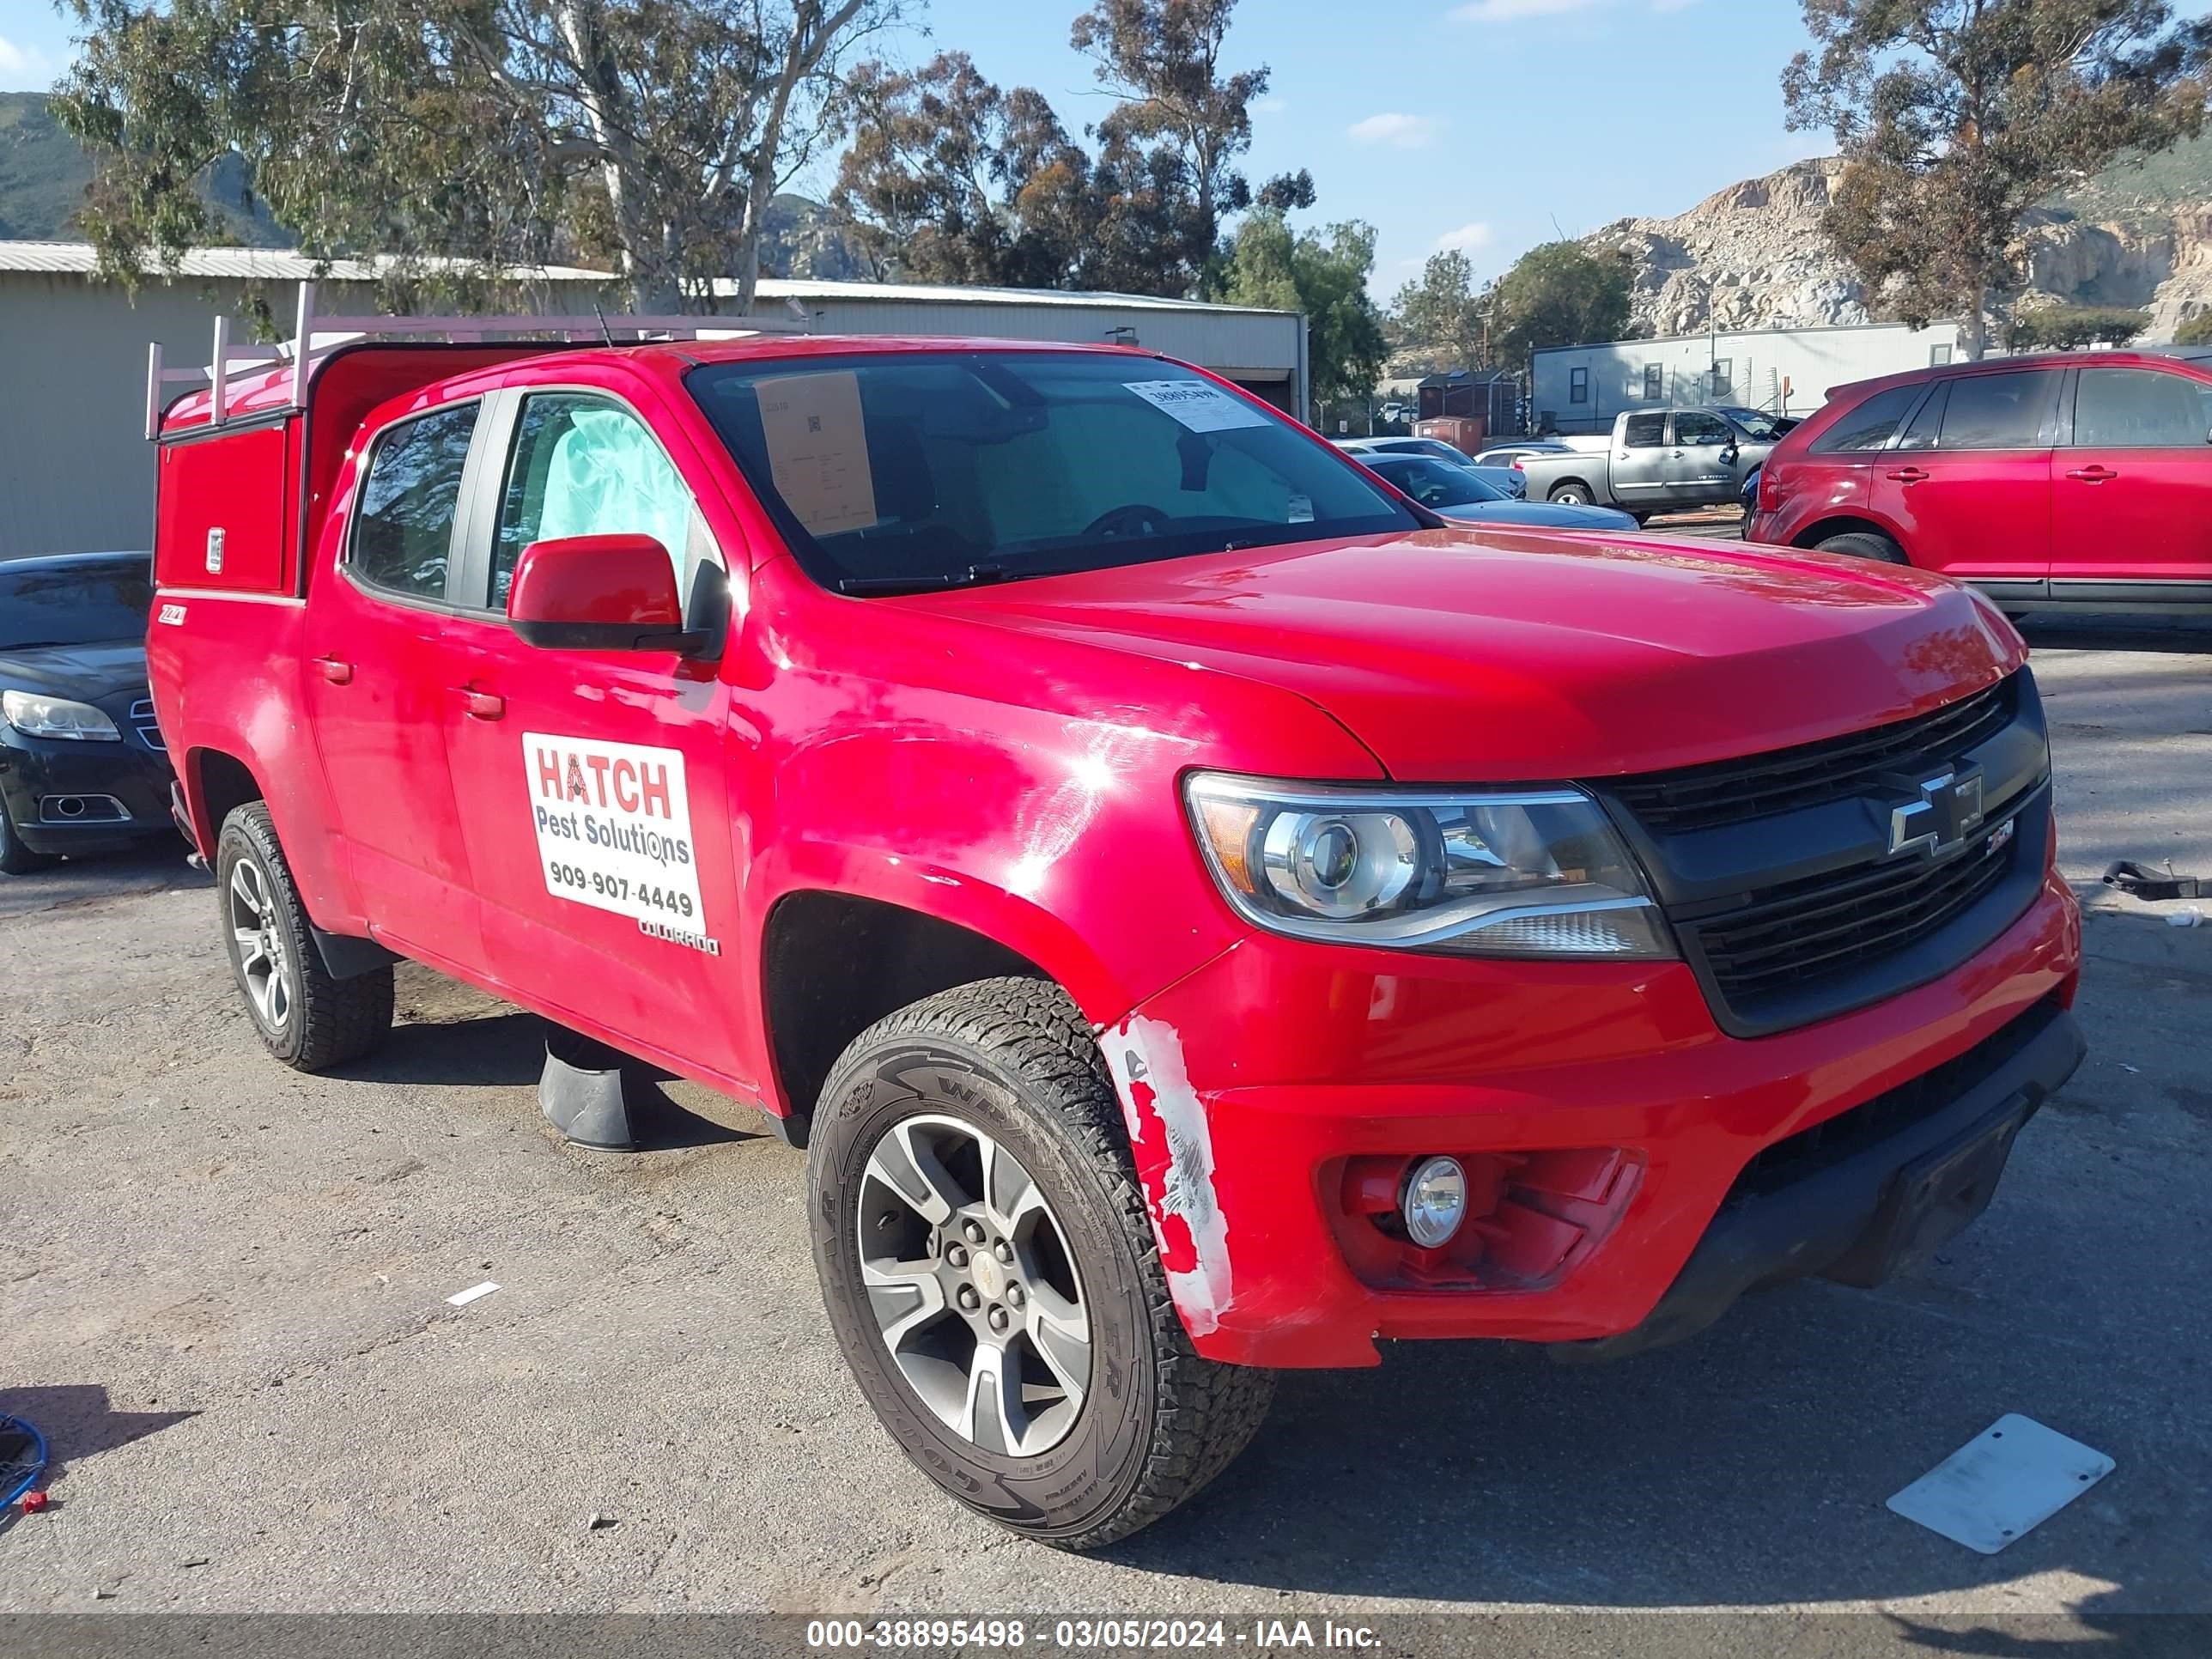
{"points": [[143, 723], [1812, 774], [1830, 926]]}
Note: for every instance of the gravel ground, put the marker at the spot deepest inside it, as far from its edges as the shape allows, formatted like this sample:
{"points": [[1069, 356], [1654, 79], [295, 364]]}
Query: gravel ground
{"points": [[226, 1286]]}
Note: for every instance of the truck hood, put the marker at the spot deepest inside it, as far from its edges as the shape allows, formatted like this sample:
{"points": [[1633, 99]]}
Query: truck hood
{"points": [[1496, 655], [82, 672]]}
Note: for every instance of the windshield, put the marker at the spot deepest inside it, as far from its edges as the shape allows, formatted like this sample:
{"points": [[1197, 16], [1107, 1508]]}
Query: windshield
{"points": [[1759, 429], [75, 603], [927, 470], [1434, 484]]}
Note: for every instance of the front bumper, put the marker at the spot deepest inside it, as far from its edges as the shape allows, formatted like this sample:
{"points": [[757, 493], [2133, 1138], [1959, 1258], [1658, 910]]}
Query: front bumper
{"points": [[1267, 1074], [38, 775]]}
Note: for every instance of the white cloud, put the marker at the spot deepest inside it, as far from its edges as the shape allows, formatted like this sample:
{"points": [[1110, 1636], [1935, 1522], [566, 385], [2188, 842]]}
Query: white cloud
{"points": [[1467, 238], [1398, 130], [1515, 11], [24, 69]]}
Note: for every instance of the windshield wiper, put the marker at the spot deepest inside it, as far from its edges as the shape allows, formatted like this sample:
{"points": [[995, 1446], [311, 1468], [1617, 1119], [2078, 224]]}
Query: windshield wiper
{"points": [[975, 575]]}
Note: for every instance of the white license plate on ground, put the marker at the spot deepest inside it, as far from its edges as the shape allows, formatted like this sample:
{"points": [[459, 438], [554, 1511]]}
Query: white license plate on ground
{"points": [[2006, 1480]]}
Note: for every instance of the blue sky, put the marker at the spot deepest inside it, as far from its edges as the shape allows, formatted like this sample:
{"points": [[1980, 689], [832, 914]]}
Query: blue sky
{"points": [[1486, 125]]}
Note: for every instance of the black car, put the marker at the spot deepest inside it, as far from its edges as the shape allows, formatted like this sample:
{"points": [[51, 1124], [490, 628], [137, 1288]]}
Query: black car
{"points": [[82, 765]]}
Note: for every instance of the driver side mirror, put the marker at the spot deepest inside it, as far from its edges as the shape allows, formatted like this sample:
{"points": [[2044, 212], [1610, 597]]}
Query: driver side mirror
{"points": [[598, 593]]}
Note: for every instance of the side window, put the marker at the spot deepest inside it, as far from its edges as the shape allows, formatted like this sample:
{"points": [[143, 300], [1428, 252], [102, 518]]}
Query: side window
{"points": [[1921, 435], [402, 533], [1869, 426], [1724, 379], [2140, 409], [1578, 386], [2000, 412], [1694, 431], [1653, 383], [584, 465], [1644, 431]]}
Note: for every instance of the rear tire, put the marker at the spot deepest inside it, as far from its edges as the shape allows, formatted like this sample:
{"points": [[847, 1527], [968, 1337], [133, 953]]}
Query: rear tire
{"points": [[304, 1016], [1003, 1075], [1864, 544], [1572, 494], [16, 859]]}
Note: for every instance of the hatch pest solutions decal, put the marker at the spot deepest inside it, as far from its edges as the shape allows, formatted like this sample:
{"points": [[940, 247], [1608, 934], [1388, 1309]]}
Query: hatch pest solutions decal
{"points": [[614, 832]]}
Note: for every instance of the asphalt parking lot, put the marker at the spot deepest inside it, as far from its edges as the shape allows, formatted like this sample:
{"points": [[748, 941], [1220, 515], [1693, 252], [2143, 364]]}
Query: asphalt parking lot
{"points": [[224, 1289]]}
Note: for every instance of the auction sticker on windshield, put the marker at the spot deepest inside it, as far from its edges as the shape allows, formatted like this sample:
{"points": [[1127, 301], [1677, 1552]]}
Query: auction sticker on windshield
{"points": [[614, 831], [1198, 405]]}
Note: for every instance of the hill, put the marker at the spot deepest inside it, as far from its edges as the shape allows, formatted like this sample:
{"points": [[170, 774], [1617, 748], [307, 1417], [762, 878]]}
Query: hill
{"points": [[43, 172], [1752, 256]]}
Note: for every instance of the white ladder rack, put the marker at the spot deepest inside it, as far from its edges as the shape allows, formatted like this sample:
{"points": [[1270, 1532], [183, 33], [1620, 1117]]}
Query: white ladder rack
{"points": [[314, 335]]}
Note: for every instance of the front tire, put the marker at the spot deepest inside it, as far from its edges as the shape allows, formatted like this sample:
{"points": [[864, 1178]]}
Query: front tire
{"points": [[992, 1275], [16, 859], [304, 1016]]}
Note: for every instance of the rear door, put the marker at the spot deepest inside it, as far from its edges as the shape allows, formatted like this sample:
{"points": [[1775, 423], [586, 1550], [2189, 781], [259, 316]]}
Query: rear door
{"points": [[1967, 485], [1641, 462], [377, 679], [592, 785], [2132, 488], [1701, 464]]}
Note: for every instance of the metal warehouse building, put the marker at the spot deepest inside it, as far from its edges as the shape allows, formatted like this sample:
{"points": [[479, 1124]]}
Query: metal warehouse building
{"points": [[76, 474], [1784, 371]]}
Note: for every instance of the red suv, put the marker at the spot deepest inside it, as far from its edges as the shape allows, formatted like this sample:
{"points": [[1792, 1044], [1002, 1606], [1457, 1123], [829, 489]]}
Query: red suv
{"points": [[1202, 912], [2082, 480]]}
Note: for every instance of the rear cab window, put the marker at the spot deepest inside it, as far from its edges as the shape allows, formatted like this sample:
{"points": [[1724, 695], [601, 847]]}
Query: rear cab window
{"points": [[404, 515], [1643, 432], [922, 470]]}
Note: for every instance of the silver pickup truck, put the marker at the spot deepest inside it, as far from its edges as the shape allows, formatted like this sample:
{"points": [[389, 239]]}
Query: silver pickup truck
{"points": [[1660, 460]]}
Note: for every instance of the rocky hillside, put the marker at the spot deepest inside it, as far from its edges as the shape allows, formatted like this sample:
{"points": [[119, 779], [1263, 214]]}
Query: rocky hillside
{"points": [[1752, 256]]}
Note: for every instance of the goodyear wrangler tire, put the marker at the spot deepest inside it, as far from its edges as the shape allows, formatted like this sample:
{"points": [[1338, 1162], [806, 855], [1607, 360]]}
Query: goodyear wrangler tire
{"points": [[303, 1016], [992, 1275]]}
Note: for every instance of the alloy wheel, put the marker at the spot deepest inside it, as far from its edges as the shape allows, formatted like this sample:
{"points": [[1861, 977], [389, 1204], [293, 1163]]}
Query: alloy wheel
{"points": [[257, 929], [973, 1285]]}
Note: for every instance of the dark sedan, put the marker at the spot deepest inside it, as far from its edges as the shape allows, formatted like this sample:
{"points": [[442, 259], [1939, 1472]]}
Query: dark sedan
{"points": [[82, 765], [1455, 492]]}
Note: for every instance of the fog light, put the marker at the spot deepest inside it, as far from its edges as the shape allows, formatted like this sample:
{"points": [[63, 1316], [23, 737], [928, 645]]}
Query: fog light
{"points": [[1435, 1201]]}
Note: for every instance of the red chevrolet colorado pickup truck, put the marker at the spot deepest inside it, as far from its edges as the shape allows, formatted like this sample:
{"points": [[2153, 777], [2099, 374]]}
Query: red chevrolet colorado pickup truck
{"points": [[1200, 913]]}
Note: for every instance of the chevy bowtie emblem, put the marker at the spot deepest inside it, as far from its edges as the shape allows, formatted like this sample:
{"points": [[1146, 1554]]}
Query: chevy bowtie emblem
{"points": [[1949, 810]]}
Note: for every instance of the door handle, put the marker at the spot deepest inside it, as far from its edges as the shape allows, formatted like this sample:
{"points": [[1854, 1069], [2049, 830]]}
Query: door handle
{"points": [[2093, 474], [337, 672], [1909, 475], [481, 705]]}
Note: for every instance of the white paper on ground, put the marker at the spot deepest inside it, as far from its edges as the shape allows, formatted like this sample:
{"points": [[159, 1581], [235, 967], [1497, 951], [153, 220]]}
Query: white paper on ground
{"points": [[2006, 1480], [462, 1298]]}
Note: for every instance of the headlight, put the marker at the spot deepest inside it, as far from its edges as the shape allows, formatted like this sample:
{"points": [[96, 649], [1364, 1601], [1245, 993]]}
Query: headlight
{"points": [[56, 717], [1519, 873]]}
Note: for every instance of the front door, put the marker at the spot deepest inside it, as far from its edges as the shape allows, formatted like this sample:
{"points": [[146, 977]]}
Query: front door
{"points": [[2131, 494], [593, 783], [1639, 463], [377, 685], [1701, 466], [1968, 483]]}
